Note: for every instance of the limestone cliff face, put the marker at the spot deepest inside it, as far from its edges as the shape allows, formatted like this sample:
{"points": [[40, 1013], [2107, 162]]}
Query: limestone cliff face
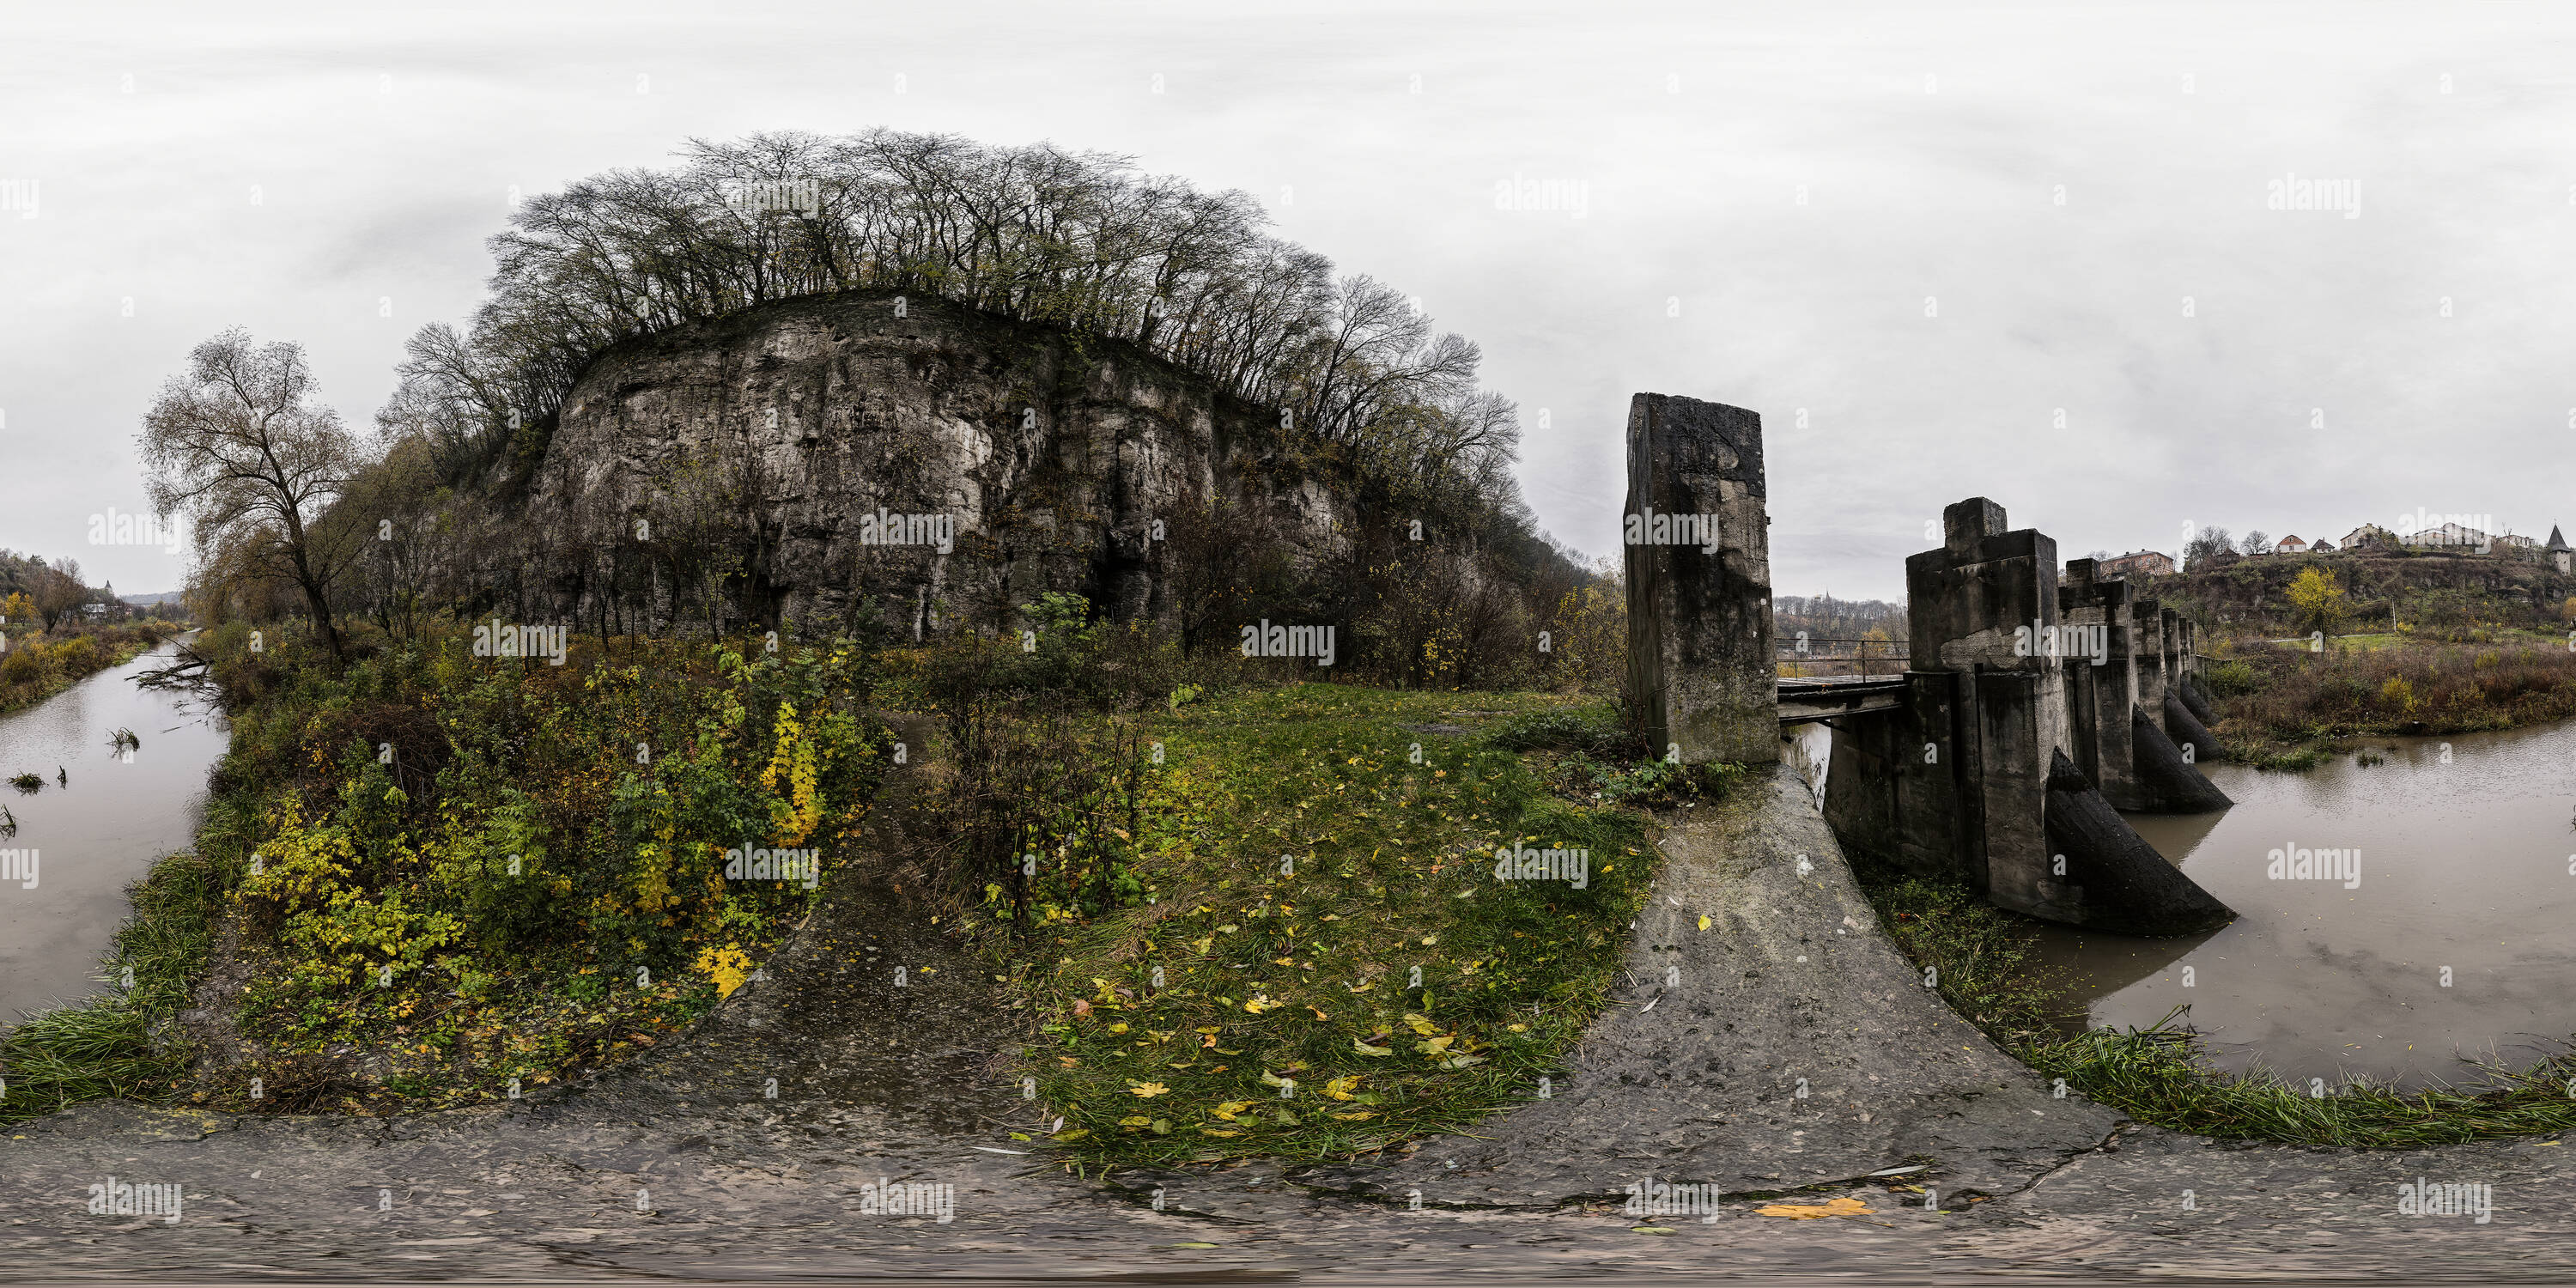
{"points": [[834, 443]]}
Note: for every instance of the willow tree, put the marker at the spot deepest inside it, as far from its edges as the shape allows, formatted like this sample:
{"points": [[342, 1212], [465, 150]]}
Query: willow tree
{"points": [[240, 447]]}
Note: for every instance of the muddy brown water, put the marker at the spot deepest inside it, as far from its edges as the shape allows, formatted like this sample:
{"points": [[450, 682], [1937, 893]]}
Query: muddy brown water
{"points": [[98, 827], [2452, 935]]}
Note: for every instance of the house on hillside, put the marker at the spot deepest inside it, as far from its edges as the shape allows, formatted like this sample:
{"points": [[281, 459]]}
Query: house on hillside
{"points": [[2449, 536], [2289, 545], [2321, 547], [2137, 563], [2370, 535]]}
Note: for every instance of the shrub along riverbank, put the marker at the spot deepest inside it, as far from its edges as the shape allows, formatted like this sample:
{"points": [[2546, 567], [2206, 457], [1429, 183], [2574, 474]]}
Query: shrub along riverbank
{"points": [[37, 667], [2292, 706], [432, 873]]}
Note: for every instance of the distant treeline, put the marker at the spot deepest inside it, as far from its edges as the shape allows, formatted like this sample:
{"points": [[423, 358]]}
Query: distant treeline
{"points": [[1825, 617]]}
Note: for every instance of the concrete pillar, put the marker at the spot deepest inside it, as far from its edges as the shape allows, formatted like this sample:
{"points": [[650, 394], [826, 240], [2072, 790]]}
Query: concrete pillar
{"points": [[1700, 672], [2041, 839], [1983, 608], [2101, 696], [1893, 793], [2175, 653], [2147, 633]]}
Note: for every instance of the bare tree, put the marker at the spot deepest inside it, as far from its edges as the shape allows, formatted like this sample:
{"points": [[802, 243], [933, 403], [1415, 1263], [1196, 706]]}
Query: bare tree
{"points": [[415, 536], [2205, 543], [58, 590], [239, 447]]}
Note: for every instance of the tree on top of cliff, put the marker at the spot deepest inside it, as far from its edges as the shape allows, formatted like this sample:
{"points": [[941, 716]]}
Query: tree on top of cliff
{"points": [[1077, 239]]}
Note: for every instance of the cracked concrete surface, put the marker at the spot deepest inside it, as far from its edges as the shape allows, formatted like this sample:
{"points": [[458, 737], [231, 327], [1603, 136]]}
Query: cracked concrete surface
{"points": [[1770, 1039]]}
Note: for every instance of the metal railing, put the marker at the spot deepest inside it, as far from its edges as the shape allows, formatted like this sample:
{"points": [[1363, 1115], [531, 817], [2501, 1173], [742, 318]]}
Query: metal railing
{"points": [[1812, 658]]}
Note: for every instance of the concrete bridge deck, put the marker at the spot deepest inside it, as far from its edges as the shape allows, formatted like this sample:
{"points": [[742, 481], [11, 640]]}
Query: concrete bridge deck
{"points": [[1814, 699]]}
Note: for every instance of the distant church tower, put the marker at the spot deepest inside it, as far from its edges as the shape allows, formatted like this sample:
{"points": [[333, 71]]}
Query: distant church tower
{"points": [[2559, 554]]}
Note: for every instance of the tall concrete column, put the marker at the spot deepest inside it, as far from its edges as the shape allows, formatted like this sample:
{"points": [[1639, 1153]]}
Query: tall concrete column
{"points": [[2101, 696], [2147, 631], [1697, 534], [1981, 607]]}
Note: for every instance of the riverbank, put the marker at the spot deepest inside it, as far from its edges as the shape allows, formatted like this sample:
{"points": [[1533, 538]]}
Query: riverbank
{"points": [[389, 911], [387, 914], [2291, 706], [37, 667], [1989, 968]]}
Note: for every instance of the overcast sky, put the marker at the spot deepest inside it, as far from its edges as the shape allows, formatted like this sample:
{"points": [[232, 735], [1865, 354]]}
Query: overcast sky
{"points": [[1909, 235]]}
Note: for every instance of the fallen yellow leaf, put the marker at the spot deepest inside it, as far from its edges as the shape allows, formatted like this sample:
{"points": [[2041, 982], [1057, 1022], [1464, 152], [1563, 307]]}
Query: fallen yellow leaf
{"points": [[1812, 1212]]}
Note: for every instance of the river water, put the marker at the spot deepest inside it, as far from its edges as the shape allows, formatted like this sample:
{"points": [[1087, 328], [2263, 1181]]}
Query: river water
{"points": [[98, 827], [2451, 934]]}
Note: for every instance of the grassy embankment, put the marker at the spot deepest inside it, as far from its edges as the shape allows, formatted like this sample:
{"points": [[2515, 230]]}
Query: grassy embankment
{"points": [[2441, 642], [433, 873], [1990, 973], [1315, 958], [353, 897], [384, 916], [2289, 706], [37, 667]]}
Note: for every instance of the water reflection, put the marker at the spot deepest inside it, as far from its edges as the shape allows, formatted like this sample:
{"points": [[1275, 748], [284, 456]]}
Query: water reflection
{"points": [[97, 828], [2448, 941], [2451, 943]]}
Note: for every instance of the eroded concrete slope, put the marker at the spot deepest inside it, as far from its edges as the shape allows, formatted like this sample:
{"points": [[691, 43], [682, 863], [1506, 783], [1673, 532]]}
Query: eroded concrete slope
{"points": [[1693, 1074]]}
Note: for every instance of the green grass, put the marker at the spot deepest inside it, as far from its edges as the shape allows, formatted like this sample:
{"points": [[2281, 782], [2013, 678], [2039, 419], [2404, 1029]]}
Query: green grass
{"points": [[115, 1043], [1990, 973], [2158, 1075], [1383, 970], [2292, 758]]}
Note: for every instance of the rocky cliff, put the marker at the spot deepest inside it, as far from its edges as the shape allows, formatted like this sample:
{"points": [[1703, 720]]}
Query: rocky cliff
{"points": [[823, 451]]}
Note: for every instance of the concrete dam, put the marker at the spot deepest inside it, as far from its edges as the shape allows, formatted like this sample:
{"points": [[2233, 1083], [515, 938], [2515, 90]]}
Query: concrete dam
{"points": [[2032, 709]]}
